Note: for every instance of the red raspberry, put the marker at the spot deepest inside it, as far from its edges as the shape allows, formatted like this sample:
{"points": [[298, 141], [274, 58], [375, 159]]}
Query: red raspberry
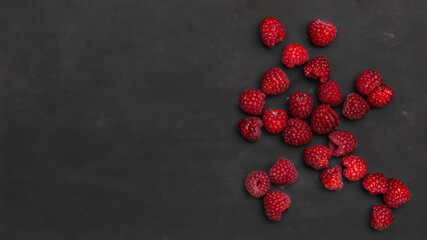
{"points": [[272, 31], [375, 183], [356, 167], [355, 107], [341, 143], [283, 172], [297, 132], [331, 178], [257, 183], [274, 121], [381, 217], [329, 93], [367, 81], [274, 82], [294, 55], [321, 33], [318, 68], [397, 193], [324, 119], [300, 105], [250, 128], [380, 96], [317, 156], [276, 203], [252, 101]]}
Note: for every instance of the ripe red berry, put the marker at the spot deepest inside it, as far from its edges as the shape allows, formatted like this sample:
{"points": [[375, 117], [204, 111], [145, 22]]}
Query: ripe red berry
{"points": [[356, 167], [300, 105], [272, 31], [252, 101], [329, 93], [318, 68], [341, 143], [274, 121], [355, 107], [380, 96], [331, 178], [276, 203], [367, 81], [257, 183], [274, 82], [324, 119], [283, 172], [297, 132], [381, 217], [397, 193], [250, 128], [321, 33], [294, 55], [375, 183], [317, 156]]}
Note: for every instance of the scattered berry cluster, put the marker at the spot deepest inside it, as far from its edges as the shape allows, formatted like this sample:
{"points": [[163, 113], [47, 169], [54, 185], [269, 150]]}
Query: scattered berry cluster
{"points": [[257, 184], [322, 120], [342, 144], [368, 83]]}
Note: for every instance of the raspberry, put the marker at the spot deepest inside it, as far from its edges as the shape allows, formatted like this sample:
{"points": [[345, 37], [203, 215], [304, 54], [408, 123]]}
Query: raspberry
{"points": [[317, 156], [297, 132], [331, 178], [341, 143], [381, 217], [274, 121], [324, 119], [274, 82], [252, 101], [276, 203], [380, 96], [257, 183], [329, 93], [294, 55], [250, 128], [367, 81], [272, 31], [355, 107], [283, 172], [321, 33], [397, 193], [300, 105], [375, 183], [318, 68], [356, 167]]}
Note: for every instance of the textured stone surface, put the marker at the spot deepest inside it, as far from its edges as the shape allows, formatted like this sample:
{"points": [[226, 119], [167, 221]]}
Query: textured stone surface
{"points": [[118, 119]]}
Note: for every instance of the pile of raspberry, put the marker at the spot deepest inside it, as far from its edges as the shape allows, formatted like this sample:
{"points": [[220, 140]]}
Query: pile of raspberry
{"points": [[297, 128]]}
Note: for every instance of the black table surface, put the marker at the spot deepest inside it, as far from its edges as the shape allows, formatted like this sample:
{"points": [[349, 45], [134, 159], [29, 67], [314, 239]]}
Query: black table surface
{"points": [[118, 118]]}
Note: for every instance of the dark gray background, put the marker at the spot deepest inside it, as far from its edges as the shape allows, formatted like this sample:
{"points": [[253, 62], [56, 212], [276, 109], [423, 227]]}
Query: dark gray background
{"points": [[118, 118]]}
